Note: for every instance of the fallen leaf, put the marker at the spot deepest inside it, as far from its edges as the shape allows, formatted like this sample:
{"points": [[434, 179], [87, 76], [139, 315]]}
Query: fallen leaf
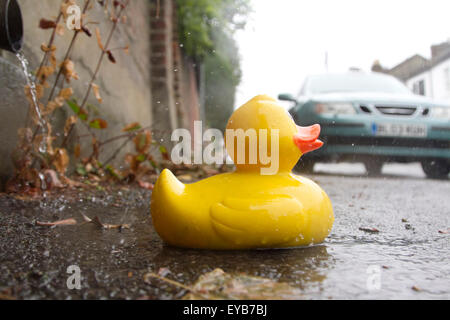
{"points": [[52, 179], [97, 222], [369, 230], [220, 285], [163, 272], [66, 222], [146, 185]]}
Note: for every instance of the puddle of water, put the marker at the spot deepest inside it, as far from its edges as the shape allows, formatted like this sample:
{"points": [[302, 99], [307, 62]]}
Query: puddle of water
{"points": [[350, 264]]}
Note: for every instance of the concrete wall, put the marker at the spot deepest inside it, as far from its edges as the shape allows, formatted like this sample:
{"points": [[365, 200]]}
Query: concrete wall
{"points": [[156, 84], [125, 86], [13, 108]]}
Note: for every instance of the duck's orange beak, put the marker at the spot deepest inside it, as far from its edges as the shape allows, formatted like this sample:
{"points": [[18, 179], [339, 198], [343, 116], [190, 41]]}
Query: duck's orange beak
{"points": [[307, 138]]}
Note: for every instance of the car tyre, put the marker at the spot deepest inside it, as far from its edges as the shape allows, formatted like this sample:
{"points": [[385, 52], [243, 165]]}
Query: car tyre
{"points": [[373, 168], [436, 169]]}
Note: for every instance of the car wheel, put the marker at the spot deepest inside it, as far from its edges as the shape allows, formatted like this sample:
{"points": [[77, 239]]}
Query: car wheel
{"points": [[436, 169], [373, 167], [305, 166]]}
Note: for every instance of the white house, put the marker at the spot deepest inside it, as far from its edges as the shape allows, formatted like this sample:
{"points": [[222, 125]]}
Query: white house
{"points": [[427, 77], [434, 80]]}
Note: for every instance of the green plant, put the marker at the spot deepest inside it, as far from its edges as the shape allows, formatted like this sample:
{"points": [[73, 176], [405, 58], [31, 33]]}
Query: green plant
{"points": [[197, 20], [42, 158]]}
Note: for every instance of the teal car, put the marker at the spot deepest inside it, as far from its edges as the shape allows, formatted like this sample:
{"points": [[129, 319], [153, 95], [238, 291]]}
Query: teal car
{"points": [[373, 118]]}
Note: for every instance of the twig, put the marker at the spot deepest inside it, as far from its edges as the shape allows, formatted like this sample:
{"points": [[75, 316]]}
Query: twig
{"points": [[116, 152], [69, 51], [45, 58], [94, 76], [104, 51], [176, 284]]}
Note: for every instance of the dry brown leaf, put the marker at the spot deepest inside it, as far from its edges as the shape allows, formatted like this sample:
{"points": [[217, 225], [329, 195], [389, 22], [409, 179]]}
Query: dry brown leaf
{"points": [[77, 150], [44, 73], [72, 120], [68, 69], [369, 230], [143, 141], [53, 60], [52, 179], [66, 222], [61, 160], [60, 29], [47, 24], [45, 48], [97, 222], [111, 56], [99, 39], [66, 93], [220, 285], [96, 90], [51, 106], [146, 185]]}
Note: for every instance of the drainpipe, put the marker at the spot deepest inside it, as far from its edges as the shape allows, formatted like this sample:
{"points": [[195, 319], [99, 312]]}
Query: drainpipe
{"points": [[11, 26]]}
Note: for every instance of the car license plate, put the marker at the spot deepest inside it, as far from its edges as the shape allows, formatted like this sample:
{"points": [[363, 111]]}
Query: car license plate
{"points": [[399, 130]]}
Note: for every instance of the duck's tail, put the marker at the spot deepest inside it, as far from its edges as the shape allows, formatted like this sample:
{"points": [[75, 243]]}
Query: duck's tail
{"points": [[166, 198]]}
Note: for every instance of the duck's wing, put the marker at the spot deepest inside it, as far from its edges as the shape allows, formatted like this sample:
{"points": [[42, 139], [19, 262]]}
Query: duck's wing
{"points": [[258, 222]]}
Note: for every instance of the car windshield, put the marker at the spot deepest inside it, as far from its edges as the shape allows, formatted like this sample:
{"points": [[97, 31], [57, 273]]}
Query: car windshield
{"points": [[355, 83]]}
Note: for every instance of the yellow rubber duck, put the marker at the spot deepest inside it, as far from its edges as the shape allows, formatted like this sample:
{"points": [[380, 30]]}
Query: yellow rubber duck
{"points": [[245, 209]]}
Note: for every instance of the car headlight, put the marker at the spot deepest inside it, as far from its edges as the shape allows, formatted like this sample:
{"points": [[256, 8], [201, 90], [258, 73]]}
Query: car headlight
{"points": [[440, 112], [335, 108]]}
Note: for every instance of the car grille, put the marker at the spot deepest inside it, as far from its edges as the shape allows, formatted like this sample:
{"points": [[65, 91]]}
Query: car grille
{"points": [[396, 111], [387, 142]]}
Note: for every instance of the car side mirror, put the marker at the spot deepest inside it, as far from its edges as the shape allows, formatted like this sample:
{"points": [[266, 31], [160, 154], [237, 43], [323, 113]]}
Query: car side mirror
{"points": [[287, 97]]}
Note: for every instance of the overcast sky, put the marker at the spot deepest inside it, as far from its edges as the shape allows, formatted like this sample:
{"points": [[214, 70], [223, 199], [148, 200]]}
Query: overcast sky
{"points": [[285, 40]]}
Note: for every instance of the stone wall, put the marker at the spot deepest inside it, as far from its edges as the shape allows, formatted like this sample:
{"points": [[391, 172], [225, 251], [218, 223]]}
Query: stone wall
{"points": [[174, 78]]}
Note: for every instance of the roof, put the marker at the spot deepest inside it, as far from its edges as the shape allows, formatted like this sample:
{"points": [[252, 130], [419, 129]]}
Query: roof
{"points": [[431, 64]]}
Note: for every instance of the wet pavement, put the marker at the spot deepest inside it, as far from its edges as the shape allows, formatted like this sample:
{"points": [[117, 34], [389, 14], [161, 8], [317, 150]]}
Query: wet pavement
{"points": [[408, 258]]}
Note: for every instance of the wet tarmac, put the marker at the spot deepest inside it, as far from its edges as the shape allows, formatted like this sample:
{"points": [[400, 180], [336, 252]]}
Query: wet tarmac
{"points": [[408, 258]]}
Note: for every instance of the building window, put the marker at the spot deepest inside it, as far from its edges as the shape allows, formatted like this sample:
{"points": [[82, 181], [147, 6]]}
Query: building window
{"points": [[419, 87]]}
